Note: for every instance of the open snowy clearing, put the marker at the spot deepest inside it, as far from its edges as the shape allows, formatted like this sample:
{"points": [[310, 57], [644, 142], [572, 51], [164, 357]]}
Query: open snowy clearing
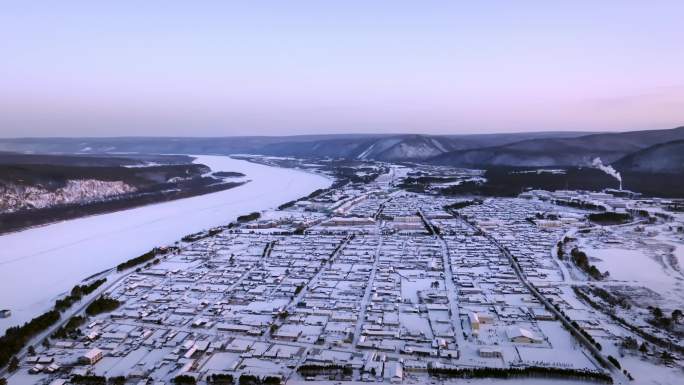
{"points": [[636, 267], [630, 265], [38, 264]]}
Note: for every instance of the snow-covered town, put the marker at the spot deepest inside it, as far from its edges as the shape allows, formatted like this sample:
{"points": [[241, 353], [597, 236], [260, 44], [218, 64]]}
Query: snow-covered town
{"points": [[368, 282], [342, 192]]}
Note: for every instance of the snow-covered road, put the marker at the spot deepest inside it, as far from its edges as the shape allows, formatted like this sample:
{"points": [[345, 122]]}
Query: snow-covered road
{"points": [[38, 264]]}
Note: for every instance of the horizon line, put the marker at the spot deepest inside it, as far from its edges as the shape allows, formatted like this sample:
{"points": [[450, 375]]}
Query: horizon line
{"points": [[587, 132]]}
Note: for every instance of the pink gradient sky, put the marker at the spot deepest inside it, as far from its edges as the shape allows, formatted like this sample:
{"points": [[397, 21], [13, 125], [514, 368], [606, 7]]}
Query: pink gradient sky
{"points": [[83, 68]]}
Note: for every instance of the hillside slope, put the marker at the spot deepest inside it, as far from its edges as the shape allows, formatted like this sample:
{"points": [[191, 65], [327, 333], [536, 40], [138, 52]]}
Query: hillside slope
{"points": [[660, 158], [38, 189], [397, 147], [560, 151]]}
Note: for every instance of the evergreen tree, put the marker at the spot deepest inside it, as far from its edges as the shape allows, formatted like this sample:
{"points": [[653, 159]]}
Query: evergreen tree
{"points": [[13, 364]]}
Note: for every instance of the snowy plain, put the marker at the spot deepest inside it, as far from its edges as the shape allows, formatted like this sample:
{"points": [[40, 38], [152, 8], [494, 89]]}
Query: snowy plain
{"points": [[632, 265], [38, 265]]}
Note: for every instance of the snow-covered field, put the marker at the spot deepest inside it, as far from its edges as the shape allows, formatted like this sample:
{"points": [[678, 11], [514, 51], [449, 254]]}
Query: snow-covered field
{"points": [[37, 265], [632, 265], [651, 268]]}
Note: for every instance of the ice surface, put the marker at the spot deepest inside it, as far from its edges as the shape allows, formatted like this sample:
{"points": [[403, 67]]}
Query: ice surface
{"points": [[38, 264]]}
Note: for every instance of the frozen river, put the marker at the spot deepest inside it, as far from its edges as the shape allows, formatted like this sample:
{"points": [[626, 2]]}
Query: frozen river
{"points": [[39, 264]]}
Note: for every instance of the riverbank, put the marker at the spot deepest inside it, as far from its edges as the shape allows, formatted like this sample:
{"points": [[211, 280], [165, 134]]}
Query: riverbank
{"points": [[22, 220]]}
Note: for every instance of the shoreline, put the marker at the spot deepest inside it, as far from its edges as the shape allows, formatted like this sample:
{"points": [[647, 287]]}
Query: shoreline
{"points": [[116, 204]]}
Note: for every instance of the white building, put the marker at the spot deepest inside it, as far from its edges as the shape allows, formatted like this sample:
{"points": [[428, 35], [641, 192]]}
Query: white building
{"points": [[91, 356], [490, 353], [393, 372], [520, 335]]}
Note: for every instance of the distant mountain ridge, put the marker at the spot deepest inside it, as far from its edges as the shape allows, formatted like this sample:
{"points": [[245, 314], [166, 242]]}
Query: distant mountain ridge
{"points": [[393, 148], [660, 158], [390, 147], [541, 149], [549, 152]]}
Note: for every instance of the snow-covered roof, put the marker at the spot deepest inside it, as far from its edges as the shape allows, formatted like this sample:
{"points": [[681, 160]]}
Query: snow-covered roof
{"points": [[517, 332]]}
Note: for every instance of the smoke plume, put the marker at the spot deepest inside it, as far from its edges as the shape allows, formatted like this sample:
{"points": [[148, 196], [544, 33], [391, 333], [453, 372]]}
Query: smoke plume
{"points": [[597, 163]]}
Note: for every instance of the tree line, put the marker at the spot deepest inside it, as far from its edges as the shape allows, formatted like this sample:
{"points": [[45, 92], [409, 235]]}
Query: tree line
{"points": [[16, 337], [71, 329], [580, 259], [610, 218], [150, 255], [244, 379], [529, 371], [637, 330], [102, 305], [78, 292], [248, 217]]}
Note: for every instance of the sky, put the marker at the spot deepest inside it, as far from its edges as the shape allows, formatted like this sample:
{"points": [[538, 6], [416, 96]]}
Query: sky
{"points": [[220, 68]]}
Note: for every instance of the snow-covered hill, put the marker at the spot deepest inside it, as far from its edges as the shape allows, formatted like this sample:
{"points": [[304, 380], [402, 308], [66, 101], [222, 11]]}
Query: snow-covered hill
{"points": [[16, 197]]}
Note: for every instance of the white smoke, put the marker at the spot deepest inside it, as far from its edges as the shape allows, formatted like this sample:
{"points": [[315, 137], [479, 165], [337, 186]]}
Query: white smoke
{"points": [[597, 163]]}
